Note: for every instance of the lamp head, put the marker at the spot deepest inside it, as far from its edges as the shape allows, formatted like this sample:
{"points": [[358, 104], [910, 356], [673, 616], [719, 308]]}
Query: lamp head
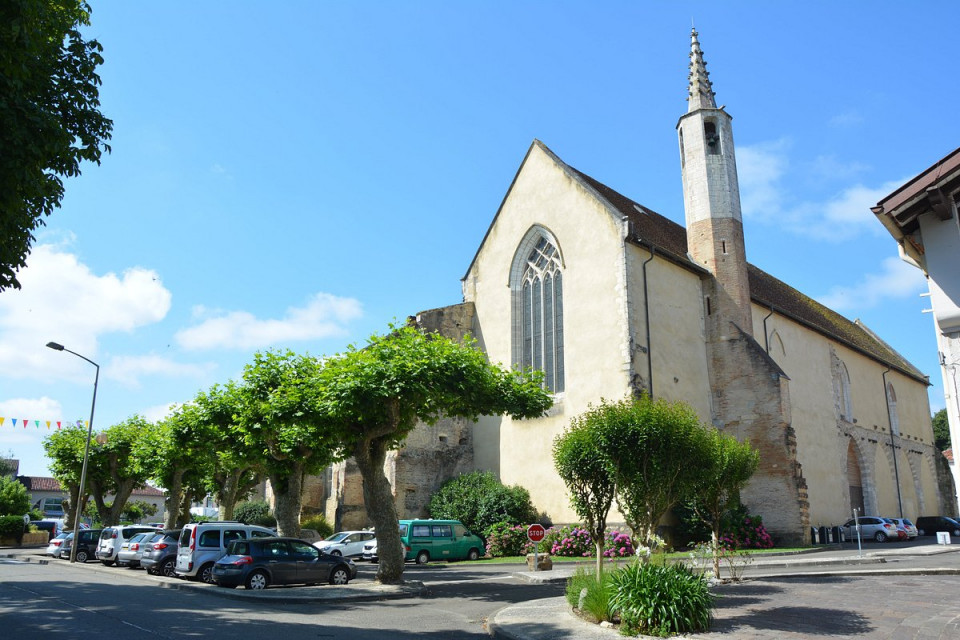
{"points": [[55, 346]]}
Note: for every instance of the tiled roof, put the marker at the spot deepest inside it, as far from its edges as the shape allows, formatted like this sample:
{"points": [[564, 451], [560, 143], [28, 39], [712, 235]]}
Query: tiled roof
{"points": [[38, 483], [648, 228], [948, 454]]}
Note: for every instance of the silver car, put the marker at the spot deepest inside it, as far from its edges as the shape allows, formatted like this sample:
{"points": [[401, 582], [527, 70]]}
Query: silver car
{"points": [[871, 528], [132, 549], [55, 548]]}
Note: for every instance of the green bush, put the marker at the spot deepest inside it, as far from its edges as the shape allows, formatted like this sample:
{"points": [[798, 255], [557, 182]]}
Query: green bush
{"points": [[318, 522], [505, 539], [255, 512], [12, 527], [13, 498], [660, 600], [596, 603], [479, 500]]}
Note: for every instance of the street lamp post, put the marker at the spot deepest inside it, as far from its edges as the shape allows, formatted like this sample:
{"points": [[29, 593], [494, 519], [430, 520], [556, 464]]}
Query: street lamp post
{"points": [[86, 451]]}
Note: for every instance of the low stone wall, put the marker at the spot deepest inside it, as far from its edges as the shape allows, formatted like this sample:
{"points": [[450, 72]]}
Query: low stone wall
{"points": [[30, 539]]}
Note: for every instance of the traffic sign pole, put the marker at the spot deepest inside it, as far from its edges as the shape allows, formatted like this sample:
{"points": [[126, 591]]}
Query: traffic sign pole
{"points": [[536, 533]]}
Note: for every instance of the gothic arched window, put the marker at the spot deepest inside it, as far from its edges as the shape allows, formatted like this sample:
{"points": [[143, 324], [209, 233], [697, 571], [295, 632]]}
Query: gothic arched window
{"points": [[537, 285]]}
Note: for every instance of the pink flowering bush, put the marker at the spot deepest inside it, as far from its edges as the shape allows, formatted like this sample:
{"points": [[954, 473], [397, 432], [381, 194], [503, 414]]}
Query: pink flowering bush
{"points": [[505, 539], [618, 545], [747, 532]]}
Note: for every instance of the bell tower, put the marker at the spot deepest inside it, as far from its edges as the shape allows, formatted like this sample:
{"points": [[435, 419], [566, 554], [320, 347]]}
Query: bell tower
{"points": [[711, 198]]}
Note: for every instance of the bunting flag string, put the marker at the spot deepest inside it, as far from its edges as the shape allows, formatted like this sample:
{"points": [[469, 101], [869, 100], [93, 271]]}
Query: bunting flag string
{"points": [[49, 423]]}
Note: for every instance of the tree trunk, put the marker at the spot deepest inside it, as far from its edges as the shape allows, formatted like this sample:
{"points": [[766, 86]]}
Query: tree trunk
{"points": [[74, 511], [370, 456], [288, 492], [173, 499], [598, 543], [715, 537]]}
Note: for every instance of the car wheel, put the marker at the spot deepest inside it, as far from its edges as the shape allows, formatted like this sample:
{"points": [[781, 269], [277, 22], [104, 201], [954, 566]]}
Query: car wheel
{"points": [[82, 556], [206, 573], [258, 580], [107, 563], [956, 532], [336, 552], [339, 575], [167, 568], [880, 536], [423, 557], [921, 532], [473, 554]]}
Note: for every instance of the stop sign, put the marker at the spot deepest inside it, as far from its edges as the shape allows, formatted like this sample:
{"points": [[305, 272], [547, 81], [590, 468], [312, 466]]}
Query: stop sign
{"points": [[535, 532]]}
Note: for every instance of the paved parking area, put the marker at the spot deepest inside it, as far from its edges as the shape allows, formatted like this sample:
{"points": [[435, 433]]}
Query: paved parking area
{"points": [[890, 607]]}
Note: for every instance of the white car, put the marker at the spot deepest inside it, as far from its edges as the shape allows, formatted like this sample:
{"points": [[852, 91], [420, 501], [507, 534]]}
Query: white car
{"points": [[55, 548], [348, 544]]}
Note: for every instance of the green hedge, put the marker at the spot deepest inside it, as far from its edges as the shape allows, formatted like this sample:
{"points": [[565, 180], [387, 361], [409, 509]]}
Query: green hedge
{"points": [[12, 527]]}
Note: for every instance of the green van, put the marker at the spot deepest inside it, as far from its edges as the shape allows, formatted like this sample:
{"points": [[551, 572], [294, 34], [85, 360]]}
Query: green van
{"points": [[426, 540]]}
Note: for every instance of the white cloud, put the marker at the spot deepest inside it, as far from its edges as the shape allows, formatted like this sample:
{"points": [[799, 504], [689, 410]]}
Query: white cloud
{"points": [[847, 119], [129, 369], [159, 412], [324, 316], [766, 198], [64, 301], [896, 279], [43, 408]]}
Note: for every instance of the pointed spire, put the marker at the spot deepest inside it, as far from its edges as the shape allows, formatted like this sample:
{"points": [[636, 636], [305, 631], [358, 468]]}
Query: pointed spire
{"points": [[701, 89]]}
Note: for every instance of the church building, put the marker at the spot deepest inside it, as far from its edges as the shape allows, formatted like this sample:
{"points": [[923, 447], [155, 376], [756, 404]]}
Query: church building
{"points": [[609, 298]]}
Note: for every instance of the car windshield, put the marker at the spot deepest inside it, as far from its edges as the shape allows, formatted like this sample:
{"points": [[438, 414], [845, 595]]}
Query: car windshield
{"points": [[907, 522], [337, 537]]}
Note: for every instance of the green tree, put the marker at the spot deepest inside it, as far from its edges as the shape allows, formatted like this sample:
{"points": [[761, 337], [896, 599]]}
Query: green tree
{"points": [[138, 510], [375, 396], [177, 454], [585, 468], [14, 499], [656, 450], [479, 500], [941, 430], [113, 467], [237, 467], [729, 466], [49, 116], [280, 422], [64, 448]]}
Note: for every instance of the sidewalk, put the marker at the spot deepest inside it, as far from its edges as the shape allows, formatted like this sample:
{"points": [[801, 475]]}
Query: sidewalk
{"points": [[834, 598]]}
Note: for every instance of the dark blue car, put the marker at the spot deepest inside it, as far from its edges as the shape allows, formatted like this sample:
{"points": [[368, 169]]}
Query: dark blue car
{"points": [[260, 562]]}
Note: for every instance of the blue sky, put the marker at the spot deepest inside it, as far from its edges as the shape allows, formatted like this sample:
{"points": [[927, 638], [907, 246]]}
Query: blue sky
{"points": [[299, 174]]}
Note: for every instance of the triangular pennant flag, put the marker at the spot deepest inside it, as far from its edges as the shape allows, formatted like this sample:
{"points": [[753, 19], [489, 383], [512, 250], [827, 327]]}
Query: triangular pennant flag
{"points": [[48, 424], [14, 422], [86, 423], [37, 422], [24, 421], [58, 424], [1, 421]]}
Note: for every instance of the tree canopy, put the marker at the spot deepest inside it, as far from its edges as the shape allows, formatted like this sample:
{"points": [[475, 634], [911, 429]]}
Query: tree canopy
{"points": [[588, 472], [374, 396], [941, 430], [49, 116]]}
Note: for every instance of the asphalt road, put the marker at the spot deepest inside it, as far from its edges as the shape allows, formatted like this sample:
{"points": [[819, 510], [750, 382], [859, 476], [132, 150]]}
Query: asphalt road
{"points": [[56, 599]]}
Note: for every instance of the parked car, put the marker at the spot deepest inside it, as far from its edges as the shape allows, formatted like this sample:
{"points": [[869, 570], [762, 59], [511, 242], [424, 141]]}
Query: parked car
{"points": [[871, 527], [260, 562], [908, 527], [426, 540], [370, 551], [52, 526], [55, 548], [160, 553], [346, 543], [930, 525], [130, 550], [901, 531], [86, 544], [112, 538], [203, 543]]}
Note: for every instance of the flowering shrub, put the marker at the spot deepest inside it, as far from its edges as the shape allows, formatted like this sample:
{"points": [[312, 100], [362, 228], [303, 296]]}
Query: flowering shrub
{"points": [[505, 539], [747, 532], [572, 542], [617, 545]]}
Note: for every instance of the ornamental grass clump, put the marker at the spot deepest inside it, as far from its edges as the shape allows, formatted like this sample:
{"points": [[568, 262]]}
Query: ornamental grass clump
{"points": [[593, 604], [660, 600]]}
